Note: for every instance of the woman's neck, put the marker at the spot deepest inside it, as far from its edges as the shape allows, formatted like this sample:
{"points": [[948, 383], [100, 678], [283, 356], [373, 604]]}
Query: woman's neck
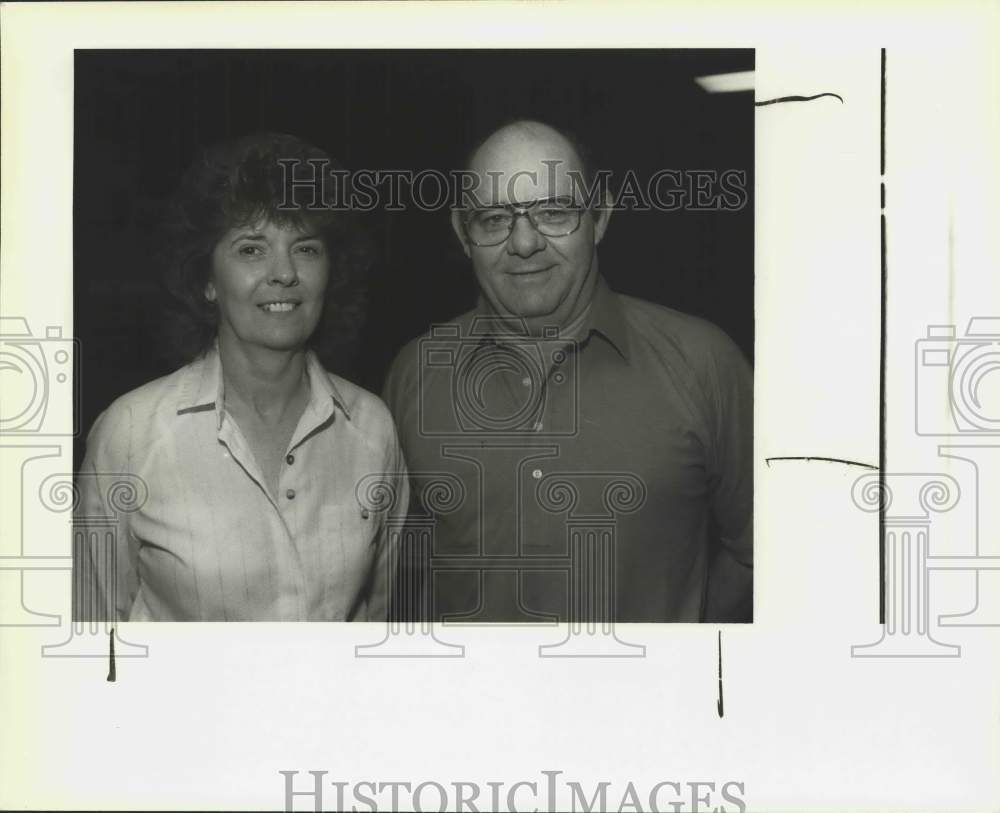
{"points": [[267, 382]]}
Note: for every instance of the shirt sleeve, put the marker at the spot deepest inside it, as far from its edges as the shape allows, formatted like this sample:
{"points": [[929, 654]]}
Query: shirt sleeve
{"points": [[730, 456], [387, 554], [400, 389], [105, 580]]}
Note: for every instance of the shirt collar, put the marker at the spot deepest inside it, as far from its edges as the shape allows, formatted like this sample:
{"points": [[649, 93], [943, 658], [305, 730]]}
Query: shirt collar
{"points": [[604, 317], [201, 388]]}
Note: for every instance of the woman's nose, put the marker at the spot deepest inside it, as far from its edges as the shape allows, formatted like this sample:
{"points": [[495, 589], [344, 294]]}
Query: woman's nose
{"points": [[283, 270]]}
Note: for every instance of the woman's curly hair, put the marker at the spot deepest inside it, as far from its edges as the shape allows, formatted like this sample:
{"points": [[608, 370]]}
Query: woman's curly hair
{"points": [[259, 178]]}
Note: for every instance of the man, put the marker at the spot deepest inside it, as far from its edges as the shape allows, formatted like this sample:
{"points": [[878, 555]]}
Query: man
{"points": [[599, 446]]}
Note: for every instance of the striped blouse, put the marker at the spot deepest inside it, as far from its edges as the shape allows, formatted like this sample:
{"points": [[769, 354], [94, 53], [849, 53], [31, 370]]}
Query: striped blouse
{"points": [[198, 537]]}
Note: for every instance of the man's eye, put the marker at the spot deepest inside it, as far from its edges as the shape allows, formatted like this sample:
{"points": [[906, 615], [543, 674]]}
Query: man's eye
{"points": [[492, 220], [553, 215]]}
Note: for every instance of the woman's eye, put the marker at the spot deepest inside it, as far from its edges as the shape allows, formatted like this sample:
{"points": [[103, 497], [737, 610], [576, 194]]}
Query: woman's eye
{"points": [[250, 251], [311, 249]]}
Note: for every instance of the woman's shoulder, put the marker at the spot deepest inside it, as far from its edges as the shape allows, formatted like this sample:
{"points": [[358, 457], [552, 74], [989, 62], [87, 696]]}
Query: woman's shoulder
{"points": [[146, 402]]}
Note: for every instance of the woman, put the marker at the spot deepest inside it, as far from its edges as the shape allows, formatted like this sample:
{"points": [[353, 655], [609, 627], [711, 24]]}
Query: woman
{"points": [[253, 460]]}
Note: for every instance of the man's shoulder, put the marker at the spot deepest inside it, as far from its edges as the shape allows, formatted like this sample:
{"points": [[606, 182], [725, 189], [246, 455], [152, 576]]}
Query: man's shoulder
{"points": [[697, 339]]}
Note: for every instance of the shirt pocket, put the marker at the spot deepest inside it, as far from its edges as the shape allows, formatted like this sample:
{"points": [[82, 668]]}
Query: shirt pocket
{"points": [[350, 539]]}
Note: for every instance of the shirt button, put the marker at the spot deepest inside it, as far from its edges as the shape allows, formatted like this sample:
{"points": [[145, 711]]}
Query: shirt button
{"points": [[290, 459], [290, 493], [537, 474]]}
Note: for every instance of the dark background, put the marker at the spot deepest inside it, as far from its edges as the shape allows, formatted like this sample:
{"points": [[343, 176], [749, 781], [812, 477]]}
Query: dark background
{"points": [[142, 116]]}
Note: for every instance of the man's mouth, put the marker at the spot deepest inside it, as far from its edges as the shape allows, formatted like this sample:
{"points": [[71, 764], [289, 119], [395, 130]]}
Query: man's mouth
{"points": [[527, 270], [278, 307]]}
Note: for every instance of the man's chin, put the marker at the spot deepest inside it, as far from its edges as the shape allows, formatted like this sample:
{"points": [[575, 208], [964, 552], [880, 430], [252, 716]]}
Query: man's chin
{"points": [[531, 307]]}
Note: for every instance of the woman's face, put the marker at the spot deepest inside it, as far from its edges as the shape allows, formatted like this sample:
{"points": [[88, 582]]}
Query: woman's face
{"points": [[269, 283]]}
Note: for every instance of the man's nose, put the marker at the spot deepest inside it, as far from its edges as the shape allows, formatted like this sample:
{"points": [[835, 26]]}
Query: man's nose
{"points": [[524, 238], [283, 270]]}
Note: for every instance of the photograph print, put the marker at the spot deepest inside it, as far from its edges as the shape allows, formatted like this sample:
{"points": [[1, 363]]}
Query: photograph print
{"points": [[429, 336]]}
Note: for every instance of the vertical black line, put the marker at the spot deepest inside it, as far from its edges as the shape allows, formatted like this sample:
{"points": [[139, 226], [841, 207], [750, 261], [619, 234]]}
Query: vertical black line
{"points": [[718, 703], [881, 371], [112, 672], [882, 117], [881, 443]]}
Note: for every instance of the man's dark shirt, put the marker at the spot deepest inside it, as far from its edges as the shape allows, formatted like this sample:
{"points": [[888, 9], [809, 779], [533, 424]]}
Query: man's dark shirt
{"points": [[592, 475]]}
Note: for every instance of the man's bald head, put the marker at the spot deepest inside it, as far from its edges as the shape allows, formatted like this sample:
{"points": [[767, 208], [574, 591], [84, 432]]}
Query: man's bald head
{"points": [[527, 146]]}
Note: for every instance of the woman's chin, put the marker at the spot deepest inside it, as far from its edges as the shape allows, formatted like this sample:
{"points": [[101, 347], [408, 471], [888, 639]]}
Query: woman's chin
{"points": [[273, 341]]}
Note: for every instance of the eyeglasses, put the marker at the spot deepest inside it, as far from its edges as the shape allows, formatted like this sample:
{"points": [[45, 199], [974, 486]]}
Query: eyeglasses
{"points": [[552, 217]]}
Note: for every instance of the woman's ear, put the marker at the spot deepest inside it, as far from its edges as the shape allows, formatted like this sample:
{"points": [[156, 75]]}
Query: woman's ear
{"points": [[210, 292]]}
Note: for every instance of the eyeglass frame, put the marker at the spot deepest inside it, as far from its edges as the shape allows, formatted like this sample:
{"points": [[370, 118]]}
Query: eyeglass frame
{"points": [[522, 210]]}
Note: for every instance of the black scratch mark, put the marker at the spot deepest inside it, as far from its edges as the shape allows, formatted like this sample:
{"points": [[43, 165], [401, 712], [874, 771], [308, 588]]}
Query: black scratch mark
{"points": [[718, 703], [882, 365], [111, 657], [881, 120], [798, 99], [826, 460]]}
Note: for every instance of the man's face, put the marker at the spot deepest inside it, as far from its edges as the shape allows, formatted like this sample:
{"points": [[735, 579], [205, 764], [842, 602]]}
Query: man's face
{"points": [[545, 280]]}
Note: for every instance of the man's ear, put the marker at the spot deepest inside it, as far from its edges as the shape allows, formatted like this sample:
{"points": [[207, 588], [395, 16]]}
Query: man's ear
{"points": [[456, 224], [601, 217]]}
